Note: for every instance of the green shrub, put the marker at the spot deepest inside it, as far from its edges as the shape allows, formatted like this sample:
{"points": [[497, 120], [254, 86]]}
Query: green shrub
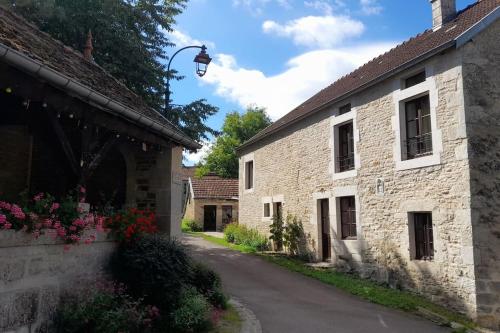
{"points": [[105, 311], [229, 232], [193, 312], [189, 225], [293, 234], [241, 235], [208, 283], [277, 230], [153, 267]]}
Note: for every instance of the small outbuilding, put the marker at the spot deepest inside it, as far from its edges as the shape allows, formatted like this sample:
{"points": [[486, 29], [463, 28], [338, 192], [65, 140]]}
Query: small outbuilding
{"points": [[212, 201]]}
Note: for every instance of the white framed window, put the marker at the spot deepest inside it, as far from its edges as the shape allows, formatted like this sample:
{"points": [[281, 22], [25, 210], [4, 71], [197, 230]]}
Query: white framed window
{"points": [[267, 209], [248, 173], [418, 140], [344, 139]]}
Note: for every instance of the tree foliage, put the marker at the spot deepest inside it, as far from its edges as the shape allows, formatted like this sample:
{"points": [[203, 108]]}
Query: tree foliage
{"points": [[130, 42], [237, 129]]}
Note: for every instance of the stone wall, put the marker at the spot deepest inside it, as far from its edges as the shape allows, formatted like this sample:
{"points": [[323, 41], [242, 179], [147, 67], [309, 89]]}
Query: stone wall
{"points": [[195, 210], [481, 59], [34, 273], [296, 164]]}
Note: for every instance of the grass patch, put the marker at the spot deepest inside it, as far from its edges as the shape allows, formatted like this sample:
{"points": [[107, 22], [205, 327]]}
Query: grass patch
{"points": [[230, 322], [366, 289], [223, 242]]}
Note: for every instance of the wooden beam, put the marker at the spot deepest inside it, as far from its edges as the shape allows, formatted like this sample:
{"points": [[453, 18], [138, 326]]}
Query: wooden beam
{"points": [[89, 168], [63, 139]]}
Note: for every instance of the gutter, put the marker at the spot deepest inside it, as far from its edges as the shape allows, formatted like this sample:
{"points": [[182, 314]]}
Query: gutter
{"points": [[37, 69]]}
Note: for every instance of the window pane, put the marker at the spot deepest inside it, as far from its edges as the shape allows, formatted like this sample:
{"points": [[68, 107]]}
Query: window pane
{"points": [[267, 210], [424, 239], [348, 217]]}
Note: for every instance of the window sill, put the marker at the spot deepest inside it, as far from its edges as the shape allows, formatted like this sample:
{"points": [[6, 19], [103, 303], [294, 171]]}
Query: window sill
{"points": [[345, 174], [420, 162]]}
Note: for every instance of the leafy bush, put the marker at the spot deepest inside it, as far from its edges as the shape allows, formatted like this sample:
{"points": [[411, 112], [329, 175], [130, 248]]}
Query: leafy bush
{"points": [[241, 235], [189, 225], [208, 283], [293, 234], [107, 310], [277, 230], [192, 314], [229, 232], [153, 267]]}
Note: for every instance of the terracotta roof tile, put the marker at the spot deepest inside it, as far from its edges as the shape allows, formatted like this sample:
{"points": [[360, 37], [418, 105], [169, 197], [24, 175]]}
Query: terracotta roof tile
{"points": [[214, 187], [402, 54]]}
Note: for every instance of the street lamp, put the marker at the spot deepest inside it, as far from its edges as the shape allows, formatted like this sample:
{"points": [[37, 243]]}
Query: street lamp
{"points": [[202, 60]]}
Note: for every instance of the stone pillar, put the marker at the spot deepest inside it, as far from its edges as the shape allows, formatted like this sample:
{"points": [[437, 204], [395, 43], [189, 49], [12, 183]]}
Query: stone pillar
{"points": [[167, 181]]}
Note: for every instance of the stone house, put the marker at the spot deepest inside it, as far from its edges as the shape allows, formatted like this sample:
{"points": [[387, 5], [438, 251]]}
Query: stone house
{"points": [[212, 201], [65, 121], [394, 169]]}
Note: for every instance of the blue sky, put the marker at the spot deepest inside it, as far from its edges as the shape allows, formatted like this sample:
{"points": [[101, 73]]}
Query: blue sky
{"points": [[277, 53]]}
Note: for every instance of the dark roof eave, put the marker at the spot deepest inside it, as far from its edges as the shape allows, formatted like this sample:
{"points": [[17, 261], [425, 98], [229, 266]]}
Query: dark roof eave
{"points": [[367, 85], [63, 82]]}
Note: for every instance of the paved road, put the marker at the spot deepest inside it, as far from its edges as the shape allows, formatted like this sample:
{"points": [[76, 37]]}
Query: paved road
{"points": [[288, 302]]}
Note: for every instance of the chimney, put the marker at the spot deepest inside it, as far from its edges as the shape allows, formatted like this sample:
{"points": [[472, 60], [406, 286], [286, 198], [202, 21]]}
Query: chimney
{"points": [[87, 50], [443, 11]]}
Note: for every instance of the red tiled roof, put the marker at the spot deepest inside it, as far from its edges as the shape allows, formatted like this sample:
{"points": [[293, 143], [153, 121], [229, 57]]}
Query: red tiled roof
{"points": [[24, 37], [378, 68], [215, 187]]}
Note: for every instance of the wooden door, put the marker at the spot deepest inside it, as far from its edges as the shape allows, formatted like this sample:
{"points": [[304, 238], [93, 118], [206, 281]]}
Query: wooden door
{"points": [[325, 229], [210, 218]]}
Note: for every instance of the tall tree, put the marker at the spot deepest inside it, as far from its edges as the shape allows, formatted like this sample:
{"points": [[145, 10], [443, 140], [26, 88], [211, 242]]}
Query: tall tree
{"points": [[237, 129], [130, 42]]}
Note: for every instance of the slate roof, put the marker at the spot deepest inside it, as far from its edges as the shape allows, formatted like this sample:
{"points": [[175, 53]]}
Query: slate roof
{"points": [[214, 187], [25, 37], [381, 67]]}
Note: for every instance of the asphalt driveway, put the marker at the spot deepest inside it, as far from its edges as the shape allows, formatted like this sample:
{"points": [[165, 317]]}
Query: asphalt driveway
{"points": [[288, 302]]}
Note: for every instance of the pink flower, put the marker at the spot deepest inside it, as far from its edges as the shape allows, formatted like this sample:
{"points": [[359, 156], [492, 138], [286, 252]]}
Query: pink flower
{"points": [[54, 207], [7, 225], [17, 212], [38, 226], [57, 225], [3, 219], [5, 205], [82, 189], [72, 228], [88, 241], [38, 197], [61, 232]]}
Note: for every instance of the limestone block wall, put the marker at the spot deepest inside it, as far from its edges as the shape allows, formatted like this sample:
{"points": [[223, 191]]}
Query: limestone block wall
{"points": [[296, 166], [154, 181], [35, 273], [196, 211], [481, 58]]}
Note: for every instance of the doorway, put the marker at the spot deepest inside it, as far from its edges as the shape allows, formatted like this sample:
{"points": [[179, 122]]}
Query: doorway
{"points": [[210, 218], [325, 230]]}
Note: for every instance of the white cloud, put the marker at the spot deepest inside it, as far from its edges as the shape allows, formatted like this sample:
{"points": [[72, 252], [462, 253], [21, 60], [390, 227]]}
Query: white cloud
{"points": [[316, 31], [323, 6], [370, 7], [305, 75], [194, 158], [256, 7], [181, 39]]}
